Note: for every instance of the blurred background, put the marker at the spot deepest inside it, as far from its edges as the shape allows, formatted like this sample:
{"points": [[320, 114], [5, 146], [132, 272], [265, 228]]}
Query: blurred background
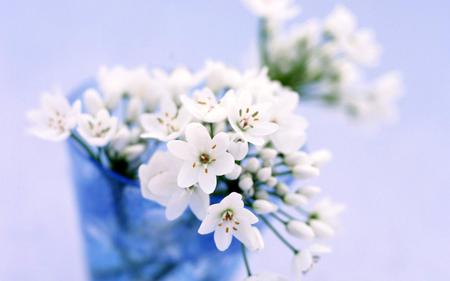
{"points": [[395, 181]]}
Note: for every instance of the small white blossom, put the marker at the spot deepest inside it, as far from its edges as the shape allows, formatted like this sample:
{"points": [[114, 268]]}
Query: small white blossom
{"points": [[204, 106], [341, 23], [252, 165], [55, 119], [227, 219], [295, 199], [245, 182], [235, 173], [92, 101], [204, 158], [320, 157], [238, 147], [248, 119], [309, 190], [305, 259], [325, 216], [305, 171], [167, 124], [98, 129], [218, 76], [264, 174], [176, 83], [273, 10]]}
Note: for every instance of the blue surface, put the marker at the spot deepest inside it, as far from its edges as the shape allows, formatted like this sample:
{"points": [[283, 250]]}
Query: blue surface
{"points": [[395, 182]]}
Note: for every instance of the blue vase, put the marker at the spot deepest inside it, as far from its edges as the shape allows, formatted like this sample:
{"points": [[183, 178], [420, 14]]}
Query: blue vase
{"points": [[127, 237]]}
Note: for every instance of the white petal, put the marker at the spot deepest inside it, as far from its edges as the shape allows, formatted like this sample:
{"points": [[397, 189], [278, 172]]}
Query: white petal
{"points": [[263, 129], [180, 149], [188, 175], [223, 165], [321, 229], [207, 181], [198, 136], [177, 204], [199, 203], [302, 262], [222, 238], [247, 216], [209, 223], [221, 142]]}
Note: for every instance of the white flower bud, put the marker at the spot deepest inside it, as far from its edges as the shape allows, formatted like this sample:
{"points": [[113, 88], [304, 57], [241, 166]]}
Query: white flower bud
{"points": [[245, 182], [272, 181], [268, 153], [309, 190], [257, 241], [295, 199], [253, 165], [300, 229], [320, 157], [264, 174], [235, 173], [134, 109], [262, 194], [281, 188], [264, 207], [305, 171], [296, 157], [238, 147], [321, 229], [92, 101]]}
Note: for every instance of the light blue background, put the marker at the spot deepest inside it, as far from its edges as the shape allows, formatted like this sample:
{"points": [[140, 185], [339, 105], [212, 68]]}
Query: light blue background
{"points": [[396, 183]]}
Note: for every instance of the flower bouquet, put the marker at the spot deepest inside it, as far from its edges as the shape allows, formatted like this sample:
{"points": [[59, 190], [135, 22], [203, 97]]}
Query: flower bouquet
{"points": [[179, 172]]}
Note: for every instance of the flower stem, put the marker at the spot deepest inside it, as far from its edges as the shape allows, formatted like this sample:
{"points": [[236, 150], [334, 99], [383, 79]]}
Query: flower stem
{"points": [[89, 151], [263, 38], [277, 234], [278, 218], [244, 255]]}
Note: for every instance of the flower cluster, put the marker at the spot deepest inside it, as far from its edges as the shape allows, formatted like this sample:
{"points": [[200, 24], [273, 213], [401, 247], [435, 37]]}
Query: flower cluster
{"points": [[229, 145], [325, 60]]}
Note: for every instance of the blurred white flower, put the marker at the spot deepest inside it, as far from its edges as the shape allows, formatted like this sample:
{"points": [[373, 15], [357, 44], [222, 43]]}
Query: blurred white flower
{"points": [[262, 206], [227, 219], [300, 229], [204, 106], [158, 183], [324, 217], [238, 146], [167, 124], [341, 22], [305, 259], [176, 83], [55, 119], [247, 119], [92, 101], [204, 158], [98, 129], [274, 11], [218, 76]]}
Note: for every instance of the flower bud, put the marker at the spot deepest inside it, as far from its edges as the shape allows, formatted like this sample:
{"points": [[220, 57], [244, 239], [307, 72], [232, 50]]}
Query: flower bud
{"points": [[309, 190], [295, 199], [321, 229], [272, 181], [252, 165], [134, 109], [264, 207], [320, 157], [262, 194], [296, 157], [300, 229], [246, 182], [281, 188], [238, 147], [257, 241], [132, 152], [264, 174], [235, 173], [92, 101], [305, 171], [268, 154]]}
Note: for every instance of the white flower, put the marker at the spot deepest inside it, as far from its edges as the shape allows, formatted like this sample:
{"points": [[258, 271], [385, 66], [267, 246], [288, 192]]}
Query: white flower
{"points": [[219, 76], [341, 23], [235, 173], [99, 129], [55, 119], [204, 158], [273, 10], [256, 242], [248, 119], [245, 182], [305, 259], [309, 191], [295, 199], [227, 219], [363, 47], [265, 277], [262, 206], [92, 101], [158, 183], [291, 134], [204, 106], [167, 124], [176, 83]]}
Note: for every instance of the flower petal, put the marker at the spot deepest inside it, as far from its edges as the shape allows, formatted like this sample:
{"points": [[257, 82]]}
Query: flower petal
{"points": [[199, 203], [221, 142], [180, 149], [223, 165], [188, 175], [197, 135], [222, 238], [177, 204], [207, 181]]}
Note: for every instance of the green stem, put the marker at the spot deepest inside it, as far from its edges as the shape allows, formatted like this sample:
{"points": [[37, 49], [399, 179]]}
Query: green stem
{"points": [[278, 218], [263, 38], [285, 173], [89, 151], [244, 255], [277, 234]]}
